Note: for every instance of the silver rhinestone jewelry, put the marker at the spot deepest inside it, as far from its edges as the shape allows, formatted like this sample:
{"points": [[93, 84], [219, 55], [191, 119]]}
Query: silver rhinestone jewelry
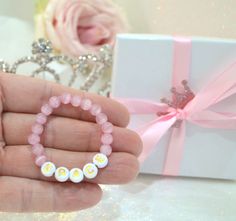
{"points": [[89, 67]]}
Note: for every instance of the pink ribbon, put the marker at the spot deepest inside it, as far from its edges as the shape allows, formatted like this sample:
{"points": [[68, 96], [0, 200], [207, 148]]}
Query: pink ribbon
{"points": [[197, 111]]}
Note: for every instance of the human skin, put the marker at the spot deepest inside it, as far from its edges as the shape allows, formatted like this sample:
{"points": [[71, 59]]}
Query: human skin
{"points": [[70, 138]]}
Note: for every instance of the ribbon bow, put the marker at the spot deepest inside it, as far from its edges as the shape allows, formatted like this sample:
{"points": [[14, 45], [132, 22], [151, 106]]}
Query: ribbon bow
{"points": [[197, 111]]}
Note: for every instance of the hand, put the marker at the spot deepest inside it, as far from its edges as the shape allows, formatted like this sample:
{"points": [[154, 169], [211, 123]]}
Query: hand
{"points": [[70, 138]]}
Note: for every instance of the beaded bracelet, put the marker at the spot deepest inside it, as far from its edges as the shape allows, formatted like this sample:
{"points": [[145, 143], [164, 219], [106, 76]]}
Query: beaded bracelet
{"points": [[100, 160]]}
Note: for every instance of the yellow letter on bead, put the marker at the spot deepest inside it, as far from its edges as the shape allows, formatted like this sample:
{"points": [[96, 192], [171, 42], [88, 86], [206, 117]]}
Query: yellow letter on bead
{"points": [[90, 170], [47, 167], [99, 158], [62, 172], [76, 173]]}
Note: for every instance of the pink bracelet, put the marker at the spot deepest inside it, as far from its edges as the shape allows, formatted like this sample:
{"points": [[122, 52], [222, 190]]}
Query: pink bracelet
{"points": [[100, 160]]}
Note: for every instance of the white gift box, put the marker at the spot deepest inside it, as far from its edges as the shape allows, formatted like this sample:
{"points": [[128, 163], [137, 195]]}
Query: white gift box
{"points": [[143, 69]]}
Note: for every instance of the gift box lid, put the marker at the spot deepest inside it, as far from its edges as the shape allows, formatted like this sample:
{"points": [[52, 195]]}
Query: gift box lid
{"points": [[143, 66]]}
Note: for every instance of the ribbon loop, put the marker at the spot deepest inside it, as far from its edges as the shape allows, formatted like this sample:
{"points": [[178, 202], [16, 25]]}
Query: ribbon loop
{"points": [[196, 110]]}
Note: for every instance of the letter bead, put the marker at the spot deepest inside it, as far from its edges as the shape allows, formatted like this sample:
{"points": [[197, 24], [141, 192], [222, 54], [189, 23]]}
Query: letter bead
{"points": [[48, 169], [76, 175], [100, 160], [62, 174], [90, 170]]}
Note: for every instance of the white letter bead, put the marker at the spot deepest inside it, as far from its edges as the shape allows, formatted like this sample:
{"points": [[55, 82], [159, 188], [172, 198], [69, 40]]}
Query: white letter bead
{"points": [[100, 160], [90, 170], [48, 169], [62, 174], [76, 175]]}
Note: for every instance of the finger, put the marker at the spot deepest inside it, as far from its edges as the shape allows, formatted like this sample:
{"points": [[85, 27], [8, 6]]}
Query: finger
{"points": [[2, 142], [18, 161], [27, 95], [68, 134], [27, 195]]}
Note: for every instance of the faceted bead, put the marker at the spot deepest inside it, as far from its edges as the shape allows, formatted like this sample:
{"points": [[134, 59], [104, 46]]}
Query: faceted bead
{"points": [[95, 109], [37, 129], [106, 149], [107, 139], [54, 102], [46, 109], [37, 149], [41, 118], [86, 104], [75, 101], [65, 98], [101, 118], [40, 160], [33, 139], [107, 127]]}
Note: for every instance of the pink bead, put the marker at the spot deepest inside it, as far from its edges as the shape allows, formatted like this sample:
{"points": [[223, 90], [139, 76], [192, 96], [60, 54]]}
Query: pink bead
{"points": [[107, 139], [54, 102], [65, 98], [95, 109], [106, 149], [33, 139], [46, 109], [37, 129], [107, 127], [41, 118], [37, 149], [86, 104], [40, 160], [101, 118], [75, 101]]}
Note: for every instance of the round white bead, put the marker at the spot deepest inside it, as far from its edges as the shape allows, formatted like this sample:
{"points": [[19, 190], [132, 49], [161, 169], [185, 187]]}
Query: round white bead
{"points": [[48, 169], [76, 175], [62, 174], [100, 160], [90, 170]]}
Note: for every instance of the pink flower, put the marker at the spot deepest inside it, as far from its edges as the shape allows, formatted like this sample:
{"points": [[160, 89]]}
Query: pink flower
{"points": [[77, 27]]}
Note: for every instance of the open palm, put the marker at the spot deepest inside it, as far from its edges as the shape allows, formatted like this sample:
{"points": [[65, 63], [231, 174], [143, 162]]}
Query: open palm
{"points": [[70, 138]]}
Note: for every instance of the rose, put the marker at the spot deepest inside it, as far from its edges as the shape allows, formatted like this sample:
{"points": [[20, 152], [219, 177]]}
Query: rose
{"points": [[77, 27]]}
